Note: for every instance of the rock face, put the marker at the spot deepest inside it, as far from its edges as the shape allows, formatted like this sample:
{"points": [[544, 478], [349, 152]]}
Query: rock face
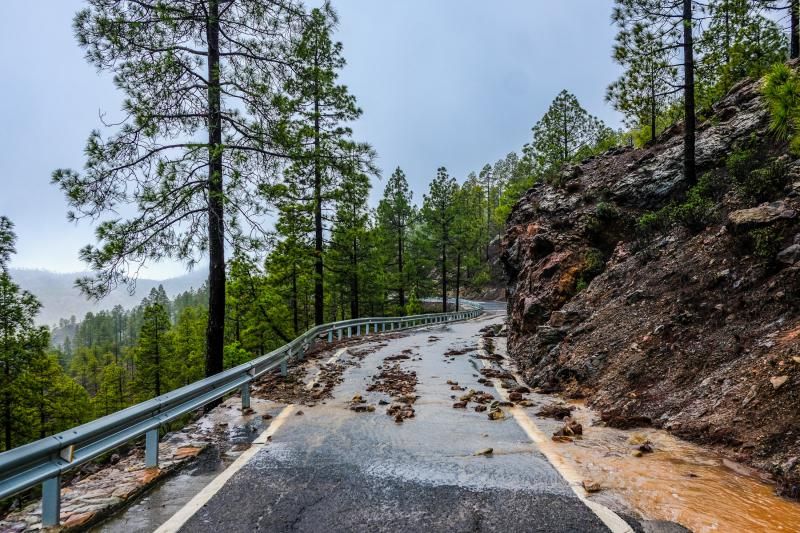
{"points": [[685, 330]]}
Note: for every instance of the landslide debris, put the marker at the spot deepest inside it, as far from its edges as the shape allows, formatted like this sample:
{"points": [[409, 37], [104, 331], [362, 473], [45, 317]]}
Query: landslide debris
{"points": [[398, 383], [667, 303]]}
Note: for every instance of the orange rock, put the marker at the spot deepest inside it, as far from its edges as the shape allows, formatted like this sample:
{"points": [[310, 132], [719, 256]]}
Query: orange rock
{"points": [[78, 520], [148, 475], [186, 451]]}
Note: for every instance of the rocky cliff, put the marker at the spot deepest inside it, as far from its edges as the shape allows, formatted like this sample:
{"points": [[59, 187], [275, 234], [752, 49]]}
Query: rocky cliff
{"points": [[667, 305]]}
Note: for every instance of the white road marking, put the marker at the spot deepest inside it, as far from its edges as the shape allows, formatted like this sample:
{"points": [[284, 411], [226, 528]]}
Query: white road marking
{"points": [[180, 518], [545, 445], [330, 361]]}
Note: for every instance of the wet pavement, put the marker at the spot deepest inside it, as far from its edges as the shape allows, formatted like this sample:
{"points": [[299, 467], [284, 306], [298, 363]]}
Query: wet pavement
{"points": [[334, 469]]}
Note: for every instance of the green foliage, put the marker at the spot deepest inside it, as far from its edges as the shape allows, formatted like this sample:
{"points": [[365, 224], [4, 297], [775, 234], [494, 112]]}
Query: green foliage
{"points": [[564, 134], [439, 213], [313, 130], [593, 265], [782, 91], [516, 176], [36, 397], [756, 180], [695, 213], [606, 212], [737, 42], [235, 355], [395, 215], [765, 243], [764, 183], [644, 92], [154, 355]]}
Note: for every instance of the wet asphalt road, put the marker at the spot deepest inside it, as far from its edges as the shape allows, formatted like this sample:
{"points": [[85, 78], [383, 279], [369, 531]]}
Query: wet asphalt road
{"points": [[336, 470]]}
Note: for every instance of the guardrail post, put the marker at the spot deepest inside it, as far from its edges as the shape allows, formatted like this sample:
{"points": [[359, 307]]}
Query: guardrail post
{"points": [[151, 448], [51, 501], [339, 333], [383, 326], [284, 368], [349, 331], [246, 396], [330, 335]]}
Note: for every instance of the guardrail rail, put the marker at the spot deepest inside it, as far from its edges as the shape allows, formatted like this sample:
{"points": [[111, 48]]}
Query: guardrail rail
{"points": [[43, 461]]}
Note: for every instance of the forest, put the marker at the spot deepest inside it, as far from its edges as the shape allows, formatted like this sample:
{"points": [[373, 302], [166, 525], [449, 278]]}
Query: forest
{"points": [[237, 152]]}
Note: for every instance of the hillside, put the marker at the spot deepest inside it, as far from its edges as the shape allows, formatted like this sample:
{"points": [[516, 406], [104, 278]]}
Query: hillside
{"points": [[683, 317], [60, 298]]}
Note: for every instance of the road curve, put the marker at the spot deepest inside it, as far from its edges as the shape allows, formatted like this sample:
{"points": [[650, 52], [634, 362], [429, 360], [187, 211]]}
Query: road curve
{"points": [[332, 469]]}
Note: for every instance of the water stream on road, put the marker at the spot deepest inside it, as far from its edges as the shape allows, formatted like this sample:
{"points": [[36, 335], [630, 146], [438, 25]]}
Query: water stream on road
{"points": [[679, 481]]}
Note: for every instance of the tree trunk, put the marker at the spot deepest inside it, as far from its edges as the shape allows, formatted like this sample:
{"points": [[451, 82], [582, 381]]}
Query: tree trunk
{"points": [[458, 278], [795, 29], [689, 171], [653, 117], [158, 360], [295, 322], [216, 228], [319, 295], [444, 277], [488, 214], [354, 303], [401, 289], [7, 413]]}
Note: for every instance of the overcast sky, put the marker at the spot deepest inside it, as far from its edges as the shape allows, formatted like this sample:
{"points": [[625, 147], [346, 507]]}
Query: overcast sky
{"points": [[455, 83]]}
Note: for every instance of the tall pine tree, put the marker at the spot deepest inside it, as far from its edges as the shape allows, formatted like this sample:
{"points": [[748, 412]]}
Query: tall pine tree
{"points": [[395, 216], [439, 214], [315, 110], [189, 69]]}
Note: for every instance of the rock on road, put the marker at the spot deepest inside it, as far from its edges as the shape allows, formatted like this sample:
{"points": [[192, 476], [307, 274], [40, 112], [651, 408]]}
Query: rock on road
{"points": [[333, 469]]}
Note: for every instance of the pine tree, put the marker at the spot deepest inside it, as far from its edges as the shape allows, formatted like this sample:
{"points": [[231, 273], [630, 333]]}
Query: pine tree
{"points": [[188, 69], [349, 236], [21, 342], [647, 86], [672, 24], [395, 216], [792, 10], [439, 213], [468, 237], [486, 177], [563, 133], [291, 261], [188, 345], [154, 352], [738, 41], [313, 127]]}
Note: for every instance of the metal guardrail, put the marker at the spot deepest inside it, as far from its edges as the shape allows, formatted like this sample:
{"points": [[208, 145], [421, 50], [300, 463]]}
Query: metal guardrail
{"points": [[44, 461]]}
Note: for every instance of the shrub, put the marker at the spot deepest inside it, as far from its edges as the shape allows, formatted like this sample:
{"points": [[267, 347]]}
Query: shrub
{"points": [[592, 266], [653, 223], [741, 163], [765, 243], [756, 181], [606, 212], [782, 91], [763, 184], [698, 211], [695, 214]]}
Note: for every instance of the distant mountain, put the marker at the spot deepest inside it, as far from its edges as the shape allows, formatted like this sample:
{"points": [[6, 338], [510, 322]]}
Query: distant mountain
{"points": [[60, 298]]}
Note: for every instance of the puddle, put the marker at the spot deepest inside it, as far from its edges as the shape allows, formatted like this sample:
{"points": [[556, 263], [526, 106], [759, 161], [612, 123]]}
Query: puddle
{"points": [[679, 481]]}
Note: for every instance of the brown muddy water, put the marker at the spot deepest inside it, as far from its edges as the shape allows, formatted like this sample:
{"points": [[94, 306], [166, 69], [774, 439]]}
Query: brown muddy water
{"points": [[679, 481]]}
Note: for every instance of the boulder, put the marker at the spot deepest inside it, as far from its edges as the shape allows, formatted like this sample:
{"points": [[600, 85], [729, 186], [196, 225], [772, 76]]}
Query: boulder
{"points": [[790, 255], [755, 217]]}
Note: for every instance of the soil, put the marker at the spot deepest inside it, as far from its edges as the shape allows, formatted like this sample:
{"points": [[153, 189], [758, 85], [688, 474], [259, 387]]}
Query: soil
{"points": [[696, 332]]}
